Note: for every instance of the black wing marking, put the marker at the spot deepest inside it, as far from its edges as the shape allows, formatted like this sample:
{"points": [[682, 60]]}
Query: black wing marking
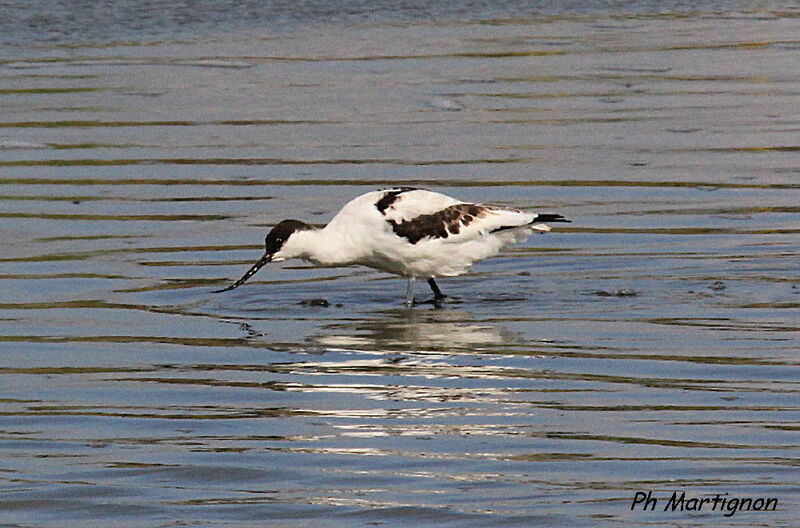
{"points": [[390, 197], [540, 218], [550, 217]]}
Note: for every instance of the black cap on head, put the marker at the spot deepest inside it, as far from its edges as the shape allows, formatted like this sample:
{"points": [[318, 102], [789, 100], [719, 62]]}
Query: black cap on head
{"points": [[277, 236]]}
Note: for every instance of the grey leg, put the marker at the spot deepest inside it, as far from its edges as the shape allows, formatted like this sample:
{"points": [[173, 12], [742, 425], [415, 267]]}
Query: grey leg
{"points": [[410, 292]]}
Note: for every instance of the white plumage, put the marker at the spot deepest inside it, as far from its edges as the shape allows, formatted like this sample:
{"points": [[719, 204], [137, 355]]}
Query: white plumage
{"points": [[404, 231]]}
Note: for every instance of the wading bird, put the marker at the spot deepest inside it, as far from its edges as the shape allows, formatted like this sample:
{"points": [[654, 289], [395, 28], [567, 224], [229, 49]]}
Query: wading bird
{"points": [[404, 231]]}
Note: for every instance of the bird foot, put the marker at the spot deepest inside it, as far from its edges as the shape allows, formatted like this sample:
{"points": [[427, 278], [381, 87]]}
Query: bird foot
{"points": [[436, 301]]}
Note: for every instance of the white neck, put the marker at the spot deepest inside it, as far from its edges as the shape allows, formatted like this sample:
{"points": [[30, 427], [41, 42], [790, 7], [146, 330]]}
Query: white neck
{"points": [[317, 246]]}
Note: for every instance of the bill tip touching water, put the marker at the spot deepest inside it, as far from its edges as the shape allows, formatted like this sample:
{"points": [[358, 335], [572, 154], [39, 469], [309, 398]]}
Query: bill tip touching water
{"points": [[414, 233]]}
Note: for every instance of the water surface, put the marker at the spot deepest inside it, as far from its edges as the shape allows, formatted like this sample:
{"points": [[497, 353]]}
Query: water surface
{"points": [[649, 345]]}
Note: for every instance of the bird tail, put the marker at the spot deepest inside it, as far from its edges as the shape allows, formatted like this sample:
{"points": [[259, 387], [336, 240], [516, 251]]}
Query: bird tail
{"points": [[539, 222], [550, 217]]}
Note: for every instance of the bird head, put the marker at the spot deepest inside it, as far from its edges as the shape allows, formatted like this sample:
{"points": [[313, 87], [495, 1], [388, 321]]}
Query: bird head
{"points": [[275, 244]]}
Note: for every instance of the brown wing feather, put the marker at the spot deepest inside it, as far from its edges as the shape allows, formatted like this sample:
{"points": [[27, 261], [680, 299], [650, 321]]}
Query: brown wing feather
{"points": [[448, 221]]}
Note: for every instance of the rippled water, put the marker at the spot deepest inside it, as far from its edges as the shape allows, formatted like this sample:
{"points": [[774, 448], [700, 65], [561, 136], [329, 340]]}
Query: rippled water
{"points": [[651, 345]]}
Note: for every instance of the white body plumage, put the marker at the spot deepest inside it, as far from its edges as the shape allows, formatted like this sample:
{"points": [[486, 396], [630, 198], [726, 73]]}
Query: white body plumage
{"points": [[361, 234], [404, 231]]}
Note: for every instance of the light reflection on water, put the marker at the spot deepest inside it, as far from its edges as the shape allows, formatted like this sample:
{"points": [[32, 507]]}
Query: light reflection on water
{"points": [[649, 345]]}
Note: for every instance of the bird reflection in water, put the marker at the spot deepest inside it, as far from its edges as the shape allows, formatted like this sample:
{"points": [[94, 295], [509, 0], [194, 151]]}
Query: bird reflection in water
{"points": [[400, 330]]}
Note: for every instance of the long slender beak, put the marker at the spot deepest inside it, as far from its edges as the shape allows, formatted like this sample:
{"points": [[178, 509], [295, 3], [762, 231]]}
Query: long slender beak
{"points": [[252, 271]]}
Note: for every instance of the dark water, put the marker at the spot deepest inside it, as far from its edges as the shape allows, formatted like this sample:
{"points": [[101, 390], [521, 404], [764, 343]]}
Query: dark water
{"points": [[79, 22], [651, 345]]}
